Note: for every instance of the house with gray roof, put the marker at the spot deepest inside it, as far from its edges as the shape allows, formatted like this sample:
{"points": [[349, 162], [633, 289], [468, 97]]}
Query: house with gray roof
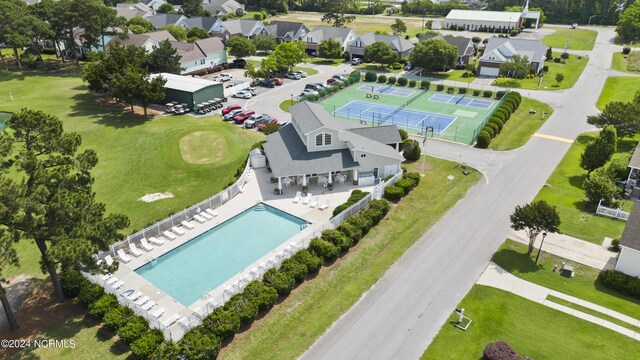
{"points": [[398, 44], [343, 35], [501, 50], [285, 31], [147, 41], [239, 27], [629, 258], [466, 50], [200, 54], [161, 20], [154, 4], [222, 7], [207, 23], [316, 144]]}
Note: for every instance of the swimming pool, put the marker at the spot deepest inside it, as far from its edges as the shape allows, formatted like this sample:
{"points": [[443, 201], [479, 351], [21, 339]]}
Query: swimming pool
{"points": [[207, 261]]}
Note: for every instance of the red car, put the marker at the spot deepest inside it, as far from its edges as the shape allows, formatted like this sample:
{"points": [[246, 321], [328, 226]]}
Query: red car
{"points": [[332, 81], [240, 118], [230, 108], [263, 123]]}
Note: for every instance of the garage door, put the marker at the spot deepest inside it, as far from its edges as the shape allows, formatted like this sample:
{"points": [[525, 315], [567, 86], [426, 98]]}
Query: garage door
{"points": [[489, 71]]}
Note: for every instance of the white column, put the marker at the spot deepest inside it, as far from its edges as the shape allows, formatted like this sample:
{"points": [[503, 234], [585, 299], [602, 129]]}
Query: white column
{"points": [[304, 180], [330, 180], [280, 184]]}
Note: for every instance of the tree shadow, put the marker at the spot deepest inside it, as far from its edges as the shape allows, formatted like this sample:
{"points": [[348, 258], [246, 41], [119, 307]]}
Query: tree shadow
{"points": [[102, 112], [511, 261], [626, 144], [576, 181], [584, 139], [602, 288]]}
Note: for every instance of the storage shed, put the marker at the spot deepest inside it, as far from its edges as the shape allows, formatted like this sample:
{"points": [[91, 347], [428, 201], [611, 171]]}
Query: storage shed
{"points": [[258, 160], [190, 90]]}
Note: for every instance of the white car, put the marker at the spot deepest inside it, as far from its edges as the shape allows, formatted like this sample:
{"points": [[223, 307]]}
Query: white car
{"points": [[223, 77], [293, 76], [301, 73], [243, 94], [254, 119], [308, 92], [339, 77]]}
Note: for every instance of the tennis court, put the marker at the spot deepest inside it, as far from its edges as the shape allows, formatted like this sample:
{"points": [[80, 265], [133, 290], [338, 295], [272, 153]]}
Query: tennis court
{"points": [[387, 90], [387, 115], [461, 101]]}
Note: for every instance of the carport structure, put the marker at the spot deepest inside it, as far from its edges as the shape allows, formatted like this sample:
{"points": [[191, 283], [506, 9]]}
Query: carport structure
{"points": [[190, 90]]}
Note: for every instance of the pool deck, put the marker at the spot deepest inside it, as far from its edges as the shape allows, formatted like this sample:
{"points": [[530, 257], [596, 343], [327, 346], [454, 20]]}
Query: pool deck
{"points": [[258, 189]]}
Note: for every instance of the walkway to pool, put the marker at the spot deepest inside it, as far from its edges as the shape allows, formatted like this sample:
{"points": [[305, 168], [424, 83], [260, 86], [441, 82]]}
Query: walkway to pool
{"points": [[258, 189]]}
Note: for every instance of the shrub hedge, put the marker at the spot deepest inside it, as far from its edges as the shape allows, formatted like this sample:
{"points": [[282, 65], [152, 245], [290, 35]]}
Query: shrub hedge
{"points": [[370, 76], [147, 343], [356, 195], [402, 81], [222, 322], [499, 117], [312, 261], [412, 83], [133, 329], [489, 130], [197, 344], [324, 249], [462, 90], [476, 92], [382, 79], [393, 193], [621, 282], [487, 93], [405, 184], [483, 140], [439, 87], [117, 317], [499, 350], [243, 305], [392, 80], [424, 84], [294, 269]]}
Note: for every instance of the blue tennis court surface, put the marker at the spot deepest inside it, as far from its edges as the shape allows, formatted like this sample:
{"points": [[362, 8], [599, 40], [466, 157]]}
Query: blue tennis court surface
{"points": [[461, 100], [418, 120], [387, 90]]}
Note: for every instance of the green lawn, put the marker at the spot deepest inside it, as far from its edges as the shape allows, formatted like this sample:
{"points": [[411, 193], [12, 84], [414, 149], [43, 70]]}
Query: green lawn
{"points": [[619, 88], [512, 257], [579, 39], [309, 71], [595, 313], [532, 329], [571, 71], [285, 105], [566, 193], [321, 61], [380, 68], [521, 125], [627, 63], [3, 118], [292, 326], [452, 75]]}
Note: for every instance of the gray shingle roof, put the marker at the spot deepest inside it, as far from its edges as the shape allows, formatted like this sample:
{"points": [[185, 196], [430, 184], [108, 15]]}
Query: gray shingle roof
{"points": [[635, 158], [311, 116], [503, 49], [281, 29], [464, 45], [201, 22], [161, 20], [631, 234], [321, 32], [240, 26], [397, 43], [387, 134]]}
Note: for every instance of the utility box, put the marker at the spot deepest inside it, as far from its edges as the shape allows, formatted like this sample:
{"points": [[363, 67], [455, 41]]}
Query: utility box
{"points": [[567, 271]]}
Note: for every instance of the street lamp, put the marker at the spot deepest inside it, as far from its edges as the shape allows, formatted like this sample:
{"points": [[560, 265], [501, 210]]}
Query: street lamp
{"points": [[544, 235], [591, 17]]}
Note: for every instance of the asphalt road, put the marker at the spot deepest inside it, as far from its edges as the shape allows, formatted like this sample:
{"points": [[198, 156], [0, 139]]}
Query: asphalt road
{"points": [[399, 316]]}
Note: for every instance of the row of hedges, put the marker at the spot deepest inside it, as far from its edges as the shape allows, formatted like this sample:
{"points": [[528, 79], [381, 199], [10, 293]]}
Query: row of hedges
{"points": [[353, 78], [499, 117], [371, 76], [621, 282], [402, 187], [356, 195], [464, 90]]}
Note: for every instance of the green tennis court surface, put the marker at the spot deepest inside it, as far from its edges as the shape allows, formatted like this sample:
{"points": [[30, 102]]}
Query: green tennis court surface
{"points": [[450, 117]]}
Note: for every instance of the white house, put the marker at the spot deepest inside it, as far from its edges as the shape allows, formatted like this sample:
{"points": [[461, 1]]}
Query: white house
{"points": [[398, 44], [239, 27], [147, 41], [222, 7], [629, 258], [474, 20], [200, 54], [342, 35], [501, 50]]}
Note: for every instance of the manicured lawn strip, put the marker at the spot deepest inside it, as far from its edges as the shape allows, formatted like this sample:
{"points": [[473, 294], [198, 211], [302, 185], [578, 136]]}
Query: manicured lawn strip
{"points": [[571, 70], [532, 329], [309, 71], [285, 105], [629, 63], [452, 75], [579, 39], [292, 326], [565, 191], [512, 257], [595, 313], [330, 62], [379, 68], [619, 88], [521, 125]]}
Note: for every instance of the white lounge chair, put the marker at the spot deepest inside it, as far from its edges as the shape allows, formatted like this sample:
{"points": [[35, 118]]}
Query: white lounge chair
{"points": [[170, 320], [148, 305], [142, 300], [177, 230], [134, 250], [188, 225], [199, 313], [206, 215], [212, 212], [298, 197], [314, 202], [106, 277], [307, 199], [135, 296], [199, 219], [111, 280], [124, 257], [241, 188], [118, 284], [109, 260], [184, 323], [169, 235], [156, 241], [157, 312], [145, 245], [324, 205]]}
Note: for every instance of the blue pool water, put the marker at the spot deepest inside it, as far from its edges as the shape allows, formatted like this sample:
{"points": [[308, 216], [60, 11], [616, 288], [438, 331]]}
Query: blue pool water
{"points": [[207, 261]]}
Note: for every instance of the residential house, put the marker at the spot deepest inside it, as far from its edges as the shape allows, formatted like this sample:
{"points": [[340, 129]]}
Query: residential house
{"points": [[239, 27], [316, 144], [501, 50], [343, 35], [466, 50], [159, 21], [285, 31], [398, 44], [147, 41], [222, 7], [200, 54], [207, 23], [154, 4], [629, 258], [131, 10]]}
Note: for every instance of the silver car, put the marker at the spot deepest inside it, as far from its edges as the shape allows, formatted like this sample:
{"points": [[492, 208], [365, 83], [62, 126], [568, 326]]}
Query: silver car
{"points": [[232, 113], [254, 119], [243, 94]]}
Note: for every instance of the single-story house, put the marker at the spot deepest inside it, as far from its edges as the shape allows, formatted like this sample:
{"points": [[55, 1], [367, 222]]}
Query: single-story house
{"points": [[239, 27], [317, 144], [207, 23], [222, 7], [285, 31], [159, 21], [501, 50], [398, 44], [190, 90], [140, 6], [473, 20], [200, 54], [130, 14], [466, 50], [147, 41], [154, 4], [343, 35], [629, 258]]}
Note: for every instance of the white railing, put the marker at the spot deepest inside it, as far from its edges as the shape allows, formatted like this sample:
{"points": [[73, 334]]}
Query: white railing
{"points": [[229, 91], [614, 213], [378, 190]]}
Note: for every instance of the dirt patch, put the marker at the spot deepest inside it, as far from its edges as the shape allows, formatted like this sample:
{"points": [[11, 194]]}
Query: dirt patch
{"points": [[138, 110], [155, 197], [203, 147], [419, 165]]}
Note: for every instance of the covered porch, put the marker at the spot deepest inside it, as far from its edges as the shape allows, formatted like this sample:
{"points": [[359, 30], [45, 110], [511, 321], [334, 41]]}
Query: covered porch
{"points": [[632, 186]]}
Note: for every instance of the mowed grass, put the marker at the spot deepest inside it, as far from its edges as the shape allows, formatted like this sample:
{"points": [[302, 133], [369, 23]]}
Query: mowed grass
{"points": [[512, 256], [618, 88], [595, 313], [571, 70], [532, 329], [565, 191], [294, 325], [285, 105], [521, 125], [629, 63], [579, 39]]}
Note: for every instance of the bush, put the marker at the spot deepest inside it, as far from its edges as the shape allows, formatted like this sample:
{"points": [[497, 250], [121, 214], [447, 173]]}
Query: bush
{"points": [[483, 140], [370, 76], [243, 305], [405, 184], [392, 80], [424, 84], [411, 149], [382, 79], [104, 304], [279, 280], [361, 222], [499, 350], [393, 193], [90, 293], [489, 130], [375, 215], [197, 344], [72, 282], [311, 261], [412, 83], [451, 90], [565, 55], [495, 128], [621, 282], [462, 90], [147, 343], [502, 113], [402, 81], [356, 195], [513, 33], [383, 205], [556, 60], [500, 94], [497, 123], [439, 87], [618, 168], [295, 269], [396, 66], [262, 295], [258, 16], [337, 238], [413, 176], [497, 117], [599, 186], [135, 327], [487, 93], [222, 322], [117, 317], [404, 135], [476, 92], [615, 245], [626, 50]]}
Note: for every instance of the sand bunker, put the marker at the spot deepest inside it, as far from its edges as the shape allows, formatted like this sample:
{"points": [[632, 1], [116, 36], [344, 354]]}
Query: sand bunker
{"points": [[156, 196]]}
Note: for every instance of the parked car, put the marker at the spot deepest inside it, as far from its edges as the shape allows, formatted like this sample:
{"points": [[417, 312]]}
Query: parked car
{"points": [[240, 63], [254, 119], [339, 77], [408, 67], [314, 86], [252, 90], [356, 61], [268, 83], [278, 81], [241, 117], [308, 92], [223, 77], [333, 81], [230, 108], [321, 85], [229, 116], [301, 73], [264, 122], [293, 76], [243, 94]]}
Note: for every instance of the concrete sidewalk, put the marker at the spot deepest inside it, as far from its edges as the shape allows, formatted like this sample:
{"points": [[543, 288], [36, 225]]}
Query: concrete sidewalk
{"points": [[497, 277], [573, 249]]}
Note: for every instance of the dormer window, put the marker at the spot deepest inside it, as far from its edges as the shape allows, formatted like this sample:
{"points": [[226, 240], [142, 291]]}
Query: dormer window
{"points": [[323, 139]]}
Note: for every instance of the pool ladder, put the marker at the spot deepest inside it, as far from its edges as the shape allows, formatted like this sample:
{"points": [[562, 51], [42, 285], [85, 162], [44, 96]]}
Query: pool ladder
{"points": [[153, 261], [260, 207]]}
